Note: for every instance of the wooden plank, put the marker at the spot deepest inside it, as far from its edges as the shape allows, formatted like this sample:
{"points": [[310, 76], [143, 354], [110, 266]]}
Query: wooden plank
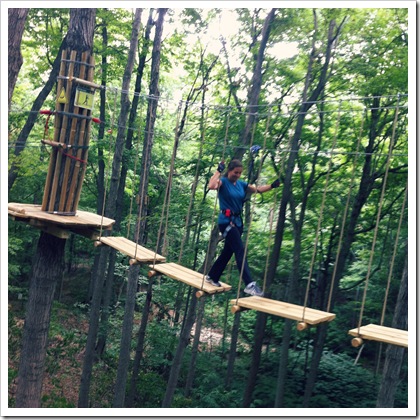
{"points": [[82, 218], [380, 333], [190, 277], [284, 309], [131, 249]]}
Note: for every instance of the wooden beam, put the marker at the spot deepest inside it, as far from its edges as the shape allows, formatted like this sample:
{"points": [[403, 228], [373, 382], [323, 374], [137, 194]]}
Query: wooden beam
{"points": [[283, 309], [380, 333], [190, 277]]}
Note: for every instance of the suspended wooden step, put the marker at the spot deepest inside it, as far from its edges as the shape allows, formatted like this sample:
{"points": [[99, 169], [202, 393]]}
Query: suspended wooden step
{"points": [[379, 333], [285, 310], [136, 252], [190, 277]]}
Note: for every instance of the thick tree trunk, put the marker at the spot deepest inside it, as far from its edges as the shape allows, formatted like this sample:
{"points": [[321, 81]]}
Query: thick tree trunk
{"points": [[48, 269], [394, 355], [17, 19]]}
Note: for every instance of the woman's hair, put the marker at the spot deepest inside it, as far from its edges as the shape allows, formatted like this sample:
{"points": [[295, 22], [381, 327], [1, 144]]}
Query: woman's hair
{"points": [[234, 163]]}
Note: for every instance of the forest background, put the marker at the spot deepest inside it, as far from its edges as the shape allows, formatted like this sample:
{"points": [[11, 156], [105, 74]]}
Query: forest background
{"points": [[343, 80]]}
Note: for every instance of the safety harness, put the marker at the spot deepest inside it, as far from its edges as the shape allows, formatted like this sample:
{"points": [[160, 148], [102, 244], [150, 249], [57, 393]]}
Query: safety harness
{"points": [[231, 215]]}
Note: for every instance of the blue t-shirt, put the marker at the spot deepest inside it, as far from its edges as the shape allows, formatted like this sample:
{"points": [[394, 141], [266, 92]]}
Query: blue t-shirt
{"points": [[231, 197]]}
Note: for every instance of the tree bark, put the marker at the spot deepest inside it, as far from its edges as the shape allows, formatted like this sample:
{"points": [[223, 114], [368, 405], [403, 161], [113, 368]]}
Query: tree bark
{"points": [[255, 85], [17, 19], [177, 361], [394, 355], [194, 350], [140, 345], [110, 212], [48, 270], [232, 351], [127, 329]]}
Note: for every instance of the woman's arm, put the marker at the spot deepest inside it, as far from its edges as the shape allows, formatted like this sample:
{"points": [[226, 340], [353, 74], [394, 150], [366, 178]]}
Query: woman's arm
{"points": [[263, 188], [215, 181]]}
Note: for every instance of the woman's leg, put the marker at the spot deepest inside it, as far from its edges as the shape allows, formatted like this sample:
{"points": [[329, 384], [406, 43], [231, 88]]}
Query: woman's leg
{"points": [[234, 241], [221, 262]]}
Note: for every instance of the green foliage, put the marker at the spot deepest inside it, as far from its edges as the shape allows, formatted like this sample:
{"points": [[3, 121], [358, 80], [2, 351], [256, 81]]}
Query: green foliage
{"points": [[370, 58]]}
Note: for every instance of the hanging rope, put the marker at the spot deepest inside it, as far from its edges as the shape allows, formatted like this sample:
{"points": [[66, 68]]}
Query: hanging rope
{"points": [[394, 253], [166, 200], [213, 218], [192, 196], [324, 195], [346, 208], [378, 218], [136, 159], [253, 203], [110, 131]]}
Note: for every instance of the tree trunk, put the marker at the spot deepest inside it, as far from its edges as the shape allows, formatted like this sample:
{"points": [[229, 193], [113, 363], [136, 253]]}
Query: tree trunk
{"points": [[177, 361], [149, 126], [194, 351], [110, 212], [140, 344], [134, 114], [48, 269], [255, 86], [366, 185], [232, 352], [286, 194], [17, 19], [95, 307], [127, 330], [394, 355]]}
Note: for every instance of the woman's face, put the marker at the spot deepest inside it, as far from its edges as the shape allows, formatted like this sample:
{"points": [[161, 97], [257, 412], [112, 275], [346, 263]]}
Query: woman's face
{"points": [[235, 174]]}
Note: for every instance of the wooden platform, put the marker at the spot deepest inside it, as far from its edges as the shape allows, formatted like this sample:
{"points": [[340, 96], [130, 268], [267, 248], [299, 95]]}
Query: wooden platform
{"points": [[380, 333], [190, 277], [131, 249], [83, 223], [282, 309]]}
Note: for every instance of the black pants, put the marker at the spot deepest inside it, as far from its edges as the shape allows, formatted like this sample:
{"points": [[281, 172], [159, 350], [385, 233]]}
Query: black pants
{"points": [[233, 245]]}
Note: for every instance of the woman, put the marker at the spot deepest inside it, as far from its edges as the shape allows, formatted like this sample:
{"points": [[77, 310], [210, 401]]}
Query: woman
{"points": [[232, 193]]}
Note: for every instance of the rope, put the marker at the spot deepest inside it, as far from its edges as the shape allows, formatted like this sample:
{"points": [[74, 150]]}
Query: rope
{"points": [[378, 217], [206, 261], [134, 174], [337, 126], [192, 196], [253, 204], [168, 186], [142, 188], [391, 268], [346, 208], [271, 218], [109, 168]]}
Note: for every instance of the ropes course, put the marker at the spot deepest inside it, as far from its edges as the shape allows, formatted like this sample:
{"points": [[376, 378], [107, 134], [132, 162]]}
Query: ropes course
{"points": [[59, 221]]}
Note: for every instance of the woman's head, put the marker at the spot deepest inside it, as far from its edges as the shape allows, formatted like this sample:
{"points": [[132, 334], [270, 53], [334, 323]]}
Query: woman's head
{"points": [[234, 169]]}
